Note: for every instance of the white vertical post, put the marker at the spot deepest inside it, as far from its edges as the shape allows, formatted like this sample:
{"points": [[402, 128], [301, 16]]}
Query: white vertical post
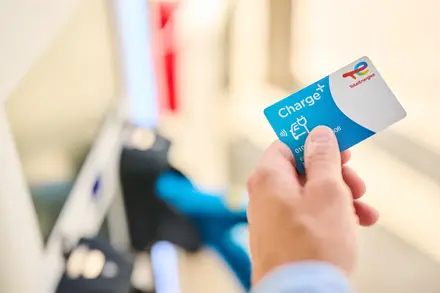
{"points": [[21, 244], [139, 82], [165, 264]]}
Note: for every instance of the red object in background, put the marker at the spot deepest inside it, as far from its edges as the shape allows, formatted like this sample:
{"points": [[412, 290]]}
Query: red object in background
{"points": [[164, 32]]}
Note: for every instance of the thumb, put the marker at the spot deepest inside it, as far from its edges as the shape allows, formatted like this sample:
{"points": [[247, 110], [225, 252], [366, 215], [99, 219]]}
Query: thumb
{"points": [[321, 155]]}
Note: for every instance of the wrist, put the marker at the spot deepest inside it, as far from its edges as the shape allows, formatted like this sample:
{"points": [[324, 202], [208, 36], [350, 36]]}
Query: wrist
{"points": [[303, 275]]}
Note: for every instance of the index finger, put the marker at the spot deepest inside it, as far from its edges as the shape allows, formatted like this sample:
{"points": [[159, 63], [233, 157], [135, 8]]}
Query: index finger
{"points": [[275, 170], [279, 157], [345, 156]]}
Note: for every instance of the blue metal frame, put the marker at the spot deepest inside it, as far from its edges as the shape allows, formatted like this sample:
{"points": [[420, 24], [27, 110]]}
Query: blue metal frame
{"points": [[216, 223]]}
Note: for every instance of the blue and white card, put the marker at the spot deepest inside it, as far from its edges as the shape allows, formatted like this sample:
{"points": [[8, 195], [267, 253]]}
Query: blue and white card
{"points": [[354, 101]]}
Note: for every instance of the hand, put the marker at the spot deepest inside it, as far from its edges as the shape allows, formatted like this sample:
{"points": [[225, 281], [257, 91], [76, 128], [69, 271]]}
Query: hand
{"points": [[314, 217]]}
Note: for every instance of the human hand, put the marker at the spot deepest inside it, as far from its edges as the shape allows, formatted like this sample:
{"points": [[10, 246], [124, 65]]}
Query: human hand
{"points": [[313, 217]]}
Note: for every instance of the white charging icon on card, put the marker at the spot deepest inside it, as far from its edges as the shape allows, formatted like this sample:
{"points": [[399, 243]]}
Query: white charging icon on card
{"points": [[299, 128]]}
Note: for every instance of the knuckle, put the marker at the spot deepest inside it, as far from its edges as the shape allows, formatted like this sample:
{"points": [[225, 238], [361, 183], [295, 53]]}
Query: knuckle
{"points": [[331, 187], [260, 177], [249, 214], [320, 153], [322, 158]]}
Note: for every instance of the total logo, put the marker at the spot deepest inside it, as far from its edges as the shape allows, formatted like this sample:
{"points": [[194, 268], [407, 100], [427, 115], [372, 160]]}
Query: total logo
{"points": [[359, 73]]}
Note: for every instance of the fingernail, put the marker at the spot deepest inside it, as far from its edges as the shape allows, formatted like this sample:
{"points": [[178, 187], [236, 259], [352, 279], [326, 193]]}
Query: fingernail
{"points": [[318, 138]]}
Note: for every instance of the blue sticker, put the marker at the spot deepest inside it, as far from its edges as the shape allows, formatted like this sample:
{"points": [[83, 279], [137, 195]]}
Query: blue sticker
{"points": [[96, 187]]}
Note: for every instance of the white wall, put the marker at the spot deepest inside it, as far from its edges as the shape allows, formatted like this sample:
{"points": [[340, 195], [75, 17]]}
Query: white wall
{"points": [[26, 29], [59, 105], [401, 38]]}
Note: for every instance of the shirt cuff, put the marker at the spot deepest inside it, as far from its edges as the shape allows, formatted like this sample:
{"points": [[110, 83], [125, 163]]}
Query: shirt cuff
{"points": [[301, 277]]}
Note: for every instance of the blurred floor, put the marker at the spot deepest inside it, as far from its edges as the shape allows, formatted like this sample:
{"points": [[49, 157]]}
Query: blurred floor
{"points": [[199, 273], [205, 272]]}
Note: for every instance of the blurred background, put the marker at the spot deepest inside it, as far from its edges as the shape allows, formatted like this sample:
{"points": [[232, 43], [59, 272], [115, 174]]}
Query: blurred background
{"points": [[153, 111]]}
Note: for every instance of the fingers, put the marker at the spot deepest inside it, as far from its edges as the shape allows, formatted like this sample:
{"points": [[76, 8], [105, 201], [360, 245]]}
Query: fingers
{"points": [[354, 182], [367, 215], [278, 159], [345, 157], [276, 167], [274, 180], [321, 155], [277, 153]]}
